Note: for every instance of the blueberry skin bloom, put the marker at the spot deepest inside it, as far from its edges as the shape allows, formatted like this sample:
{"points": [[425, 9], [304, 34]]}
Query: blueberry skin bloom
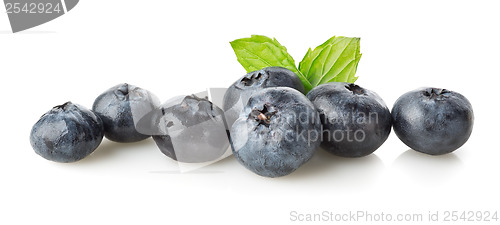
{"points": [[192, 130], [67, 133], [120, 107], [240, 91], [277, 132], [432, 120], [356, 121]]}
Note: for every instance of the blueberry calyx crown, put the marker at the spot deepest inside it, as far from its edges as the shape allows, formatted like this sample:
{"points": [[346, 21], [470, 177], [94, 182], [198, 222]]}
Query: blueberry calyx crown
{"points": [[436, 93], [189, 111], [249, 81], [355, 89], [185, 104], [195, 103], [189, 99], [64, 106], [262, 116], [123, 91]]}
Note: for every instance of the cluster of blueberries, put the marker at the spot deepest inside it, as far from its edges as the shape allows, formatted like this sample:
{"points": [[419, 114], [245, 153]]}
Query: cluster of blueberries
{"points": [[271, 125]]}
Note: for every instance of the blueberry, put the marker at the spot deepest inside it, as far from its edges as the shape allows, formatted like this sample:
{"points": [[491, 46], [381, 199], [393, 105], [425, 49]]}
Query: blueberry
{"points": [[67, 133], [433, 120], [193, 130], [277, 132], [238, 93], [356, 121], [120, 108]]}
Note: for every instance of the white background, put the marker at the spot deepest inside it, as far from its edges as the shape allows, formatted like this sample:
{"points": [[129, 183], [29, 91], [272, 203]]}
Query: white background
{"points": [[181, 47]]}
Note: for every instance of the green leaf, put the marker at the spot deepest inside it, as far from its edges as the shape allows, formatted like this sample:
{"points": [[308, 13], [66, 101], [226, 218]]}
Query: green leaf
{"points": [[336, 60], [259, 51]]}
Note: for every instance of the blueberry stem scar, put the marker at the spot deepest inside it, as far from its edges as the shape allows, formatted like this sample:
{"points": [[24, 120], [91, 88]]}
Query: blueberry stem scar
{"points": [[262, 116]]}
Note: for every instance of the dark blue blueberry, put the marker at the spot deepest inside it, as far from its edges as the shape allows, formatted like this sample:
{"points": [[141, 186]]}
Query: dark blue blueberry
{"points": [[240, 91], [192, 130], [120, 108], [67, 133], [277, 132], [356, 121], [432, 120]]}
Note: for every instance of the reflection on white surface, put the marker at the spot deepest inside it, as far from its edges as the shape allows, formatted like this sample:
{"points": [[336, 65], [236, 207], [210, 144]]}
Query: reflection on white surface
{"points": [[428, 168], [330, 171], [113, 151], [144, 157]]}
